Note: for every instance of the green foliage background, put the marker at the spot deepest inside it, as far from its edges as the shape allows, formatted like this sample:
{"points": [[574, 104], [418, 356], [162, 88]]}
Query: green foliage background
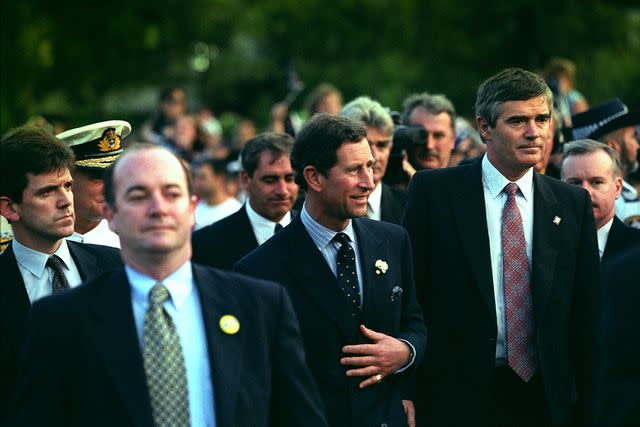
{"points": [[91, 61]]}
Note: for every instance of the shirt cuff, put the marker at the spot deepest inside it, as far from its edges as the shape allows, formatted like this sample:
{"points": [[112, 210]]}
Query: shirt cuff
{"points": [[411, 358]]}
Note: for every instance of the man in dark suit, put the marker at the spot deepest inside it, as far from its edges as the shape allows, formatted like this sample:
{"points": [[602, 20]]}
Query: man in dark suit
{"points": [[350, 279], [161, 341], [386, 203], [618, 400], [506, 270], [597, 168], [36, 197], [267, 178]]}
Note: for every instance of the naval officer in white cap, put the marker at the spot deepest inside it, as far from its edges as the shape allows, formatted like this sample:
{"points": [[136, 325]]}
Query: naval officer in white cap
{"points": [[96, 146]]}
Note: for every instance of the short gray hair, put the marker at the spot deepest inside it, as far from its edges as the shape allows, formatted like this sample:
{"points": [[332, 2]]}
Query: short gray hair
{"points": [[588, 146], [371, 113], [434, 104], [512, 84]]}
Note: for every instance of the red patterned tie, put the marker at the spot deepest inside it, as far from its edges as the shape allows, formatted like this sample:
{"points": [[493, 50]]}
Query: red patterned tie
{"points": [[521, 351]]}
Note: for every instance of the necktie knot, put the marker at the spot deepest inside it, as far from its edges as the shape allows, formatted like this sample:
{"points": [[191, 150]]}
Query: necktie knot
{"points": [[55, 263], [511, 189], [158, 294], [342, 239], [277, 228]]}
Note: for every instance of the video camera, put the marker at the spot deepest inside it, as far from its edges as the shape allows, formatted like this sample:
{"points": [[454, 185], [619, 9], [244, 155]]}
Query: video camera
{"points": [[403, 137]]}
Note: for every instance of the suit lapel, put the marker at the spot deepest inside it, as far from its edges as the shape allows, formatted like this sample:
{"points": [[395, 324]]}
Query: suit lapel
{"points": [[249, 240], [369, 251], [224, 349], [544, 253], [313, 276], [117, 342], [85, 261], [471, 218]]}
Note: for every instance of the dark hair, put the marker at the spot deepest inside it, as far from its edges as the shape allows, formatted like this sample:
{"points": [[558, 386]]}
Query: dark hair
{"points": [[109, 187], [512, 84], [319, 140], [218, 166], [166, 95], [30, 149], [276, 143]]}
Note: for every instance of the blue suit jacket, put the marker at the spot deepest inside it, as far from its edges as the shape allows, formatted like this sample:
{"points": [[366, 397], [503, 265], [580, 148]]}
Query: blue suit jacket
{"points": [[96, 376], [292, 259]]}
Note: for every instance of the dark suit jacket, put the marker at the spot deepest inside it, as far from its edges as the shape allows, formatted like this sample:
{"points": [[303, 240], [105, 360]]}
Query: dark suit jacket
{"points": [[96, 377], [91, 260], [224, 242], [621, 239], [446, 219], [392, 203], [618, 387], [292, 259]]}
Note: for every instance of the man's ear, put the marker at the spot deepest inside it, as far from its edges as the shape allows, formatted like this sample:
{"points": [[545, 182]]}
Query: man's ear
{"points": [[483, 128], [9, 209], [107, 213], [315, 180], [244, 180]]}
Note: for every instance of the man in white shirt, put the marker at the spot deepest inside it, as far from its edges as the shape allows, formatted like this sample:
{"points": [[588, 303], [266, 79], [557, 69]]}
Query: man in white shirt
{"points": [[96, 146], [597, 168], [36, 198], [385, 203], [163, 341], [268, 180], [210, 186]]}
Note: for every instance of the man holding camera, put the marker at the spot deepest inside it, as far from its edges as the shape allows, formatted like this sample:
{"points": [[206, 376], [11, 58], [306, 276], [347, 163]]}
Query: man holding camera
{"points": [[436, 114]]}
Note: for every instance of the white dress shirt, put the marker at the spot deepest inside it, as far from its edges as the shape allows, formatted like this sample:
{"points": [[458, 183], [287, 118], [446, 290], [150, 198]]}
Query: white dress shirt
{"points": [[493, 183], [185, 310], [374, 208], [100, 235], [264, 228], [208, 214], [37, 276], [603, 235]]}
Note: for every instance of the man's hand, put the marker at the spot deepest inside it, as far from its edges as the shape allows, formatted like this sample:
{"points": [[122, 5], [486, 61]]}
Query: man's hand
{"points": [[377, 360], [410, 411]]}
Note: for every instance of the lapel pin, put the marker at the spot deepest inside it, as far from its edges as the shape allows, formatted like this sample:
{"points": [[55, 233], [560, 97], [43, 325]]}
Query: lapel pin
{"points": [[396, 293], [557, 220], [229, 324]]}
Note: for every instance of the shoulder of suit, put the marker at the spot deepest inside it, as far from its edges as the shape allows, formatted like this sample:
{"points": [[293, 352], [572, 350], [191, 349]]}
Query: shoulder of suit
{"points": [[97, 249], [379, 227], [233, 281], [228, 223]]}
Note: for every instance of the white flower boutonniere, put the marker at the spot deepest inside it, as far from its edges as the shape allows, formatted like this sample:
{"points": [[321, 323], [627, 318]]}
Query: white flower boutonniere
{"points": [[381, 266]]}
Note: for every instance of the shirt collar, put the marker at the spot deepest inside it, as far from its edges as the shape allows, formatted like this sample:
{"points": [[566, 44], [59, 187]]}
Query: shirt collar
{"points": [[179, 284], [36, 261], [603, 235], [495, 181], [321, 235], [258, 221], [375, 198]]}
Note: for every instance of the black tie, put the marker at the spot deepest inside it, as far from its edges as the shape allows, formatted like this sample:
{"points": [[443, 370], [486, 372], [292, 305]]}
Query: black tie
{"points": [[59, 282], [346, 271], [277, 228]]}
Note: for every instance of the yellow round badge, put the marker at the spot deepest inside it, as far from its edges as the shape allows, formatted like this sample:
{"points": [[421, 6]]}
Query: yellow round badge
{"points": [[229, 324]]}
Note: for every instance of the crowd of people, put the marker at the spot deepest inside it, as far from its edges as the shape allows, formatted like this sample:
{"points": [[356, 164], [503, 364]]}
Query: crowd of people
{"points": [[361, 267]]}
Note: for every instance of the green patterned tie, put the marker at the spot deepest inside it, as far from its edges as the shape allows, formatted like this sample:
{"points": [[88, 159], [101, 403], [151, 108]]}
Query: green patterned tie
{"points": [[164, 364]]}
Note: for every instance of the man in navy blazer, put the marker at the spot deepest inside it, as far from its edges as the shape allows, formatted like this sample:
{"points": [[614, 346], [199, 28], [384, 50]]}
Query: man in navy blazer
{"points": [[362, 340], [36, 197], [230, 353], [473, 373], [597, 168], [267, 178]]}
